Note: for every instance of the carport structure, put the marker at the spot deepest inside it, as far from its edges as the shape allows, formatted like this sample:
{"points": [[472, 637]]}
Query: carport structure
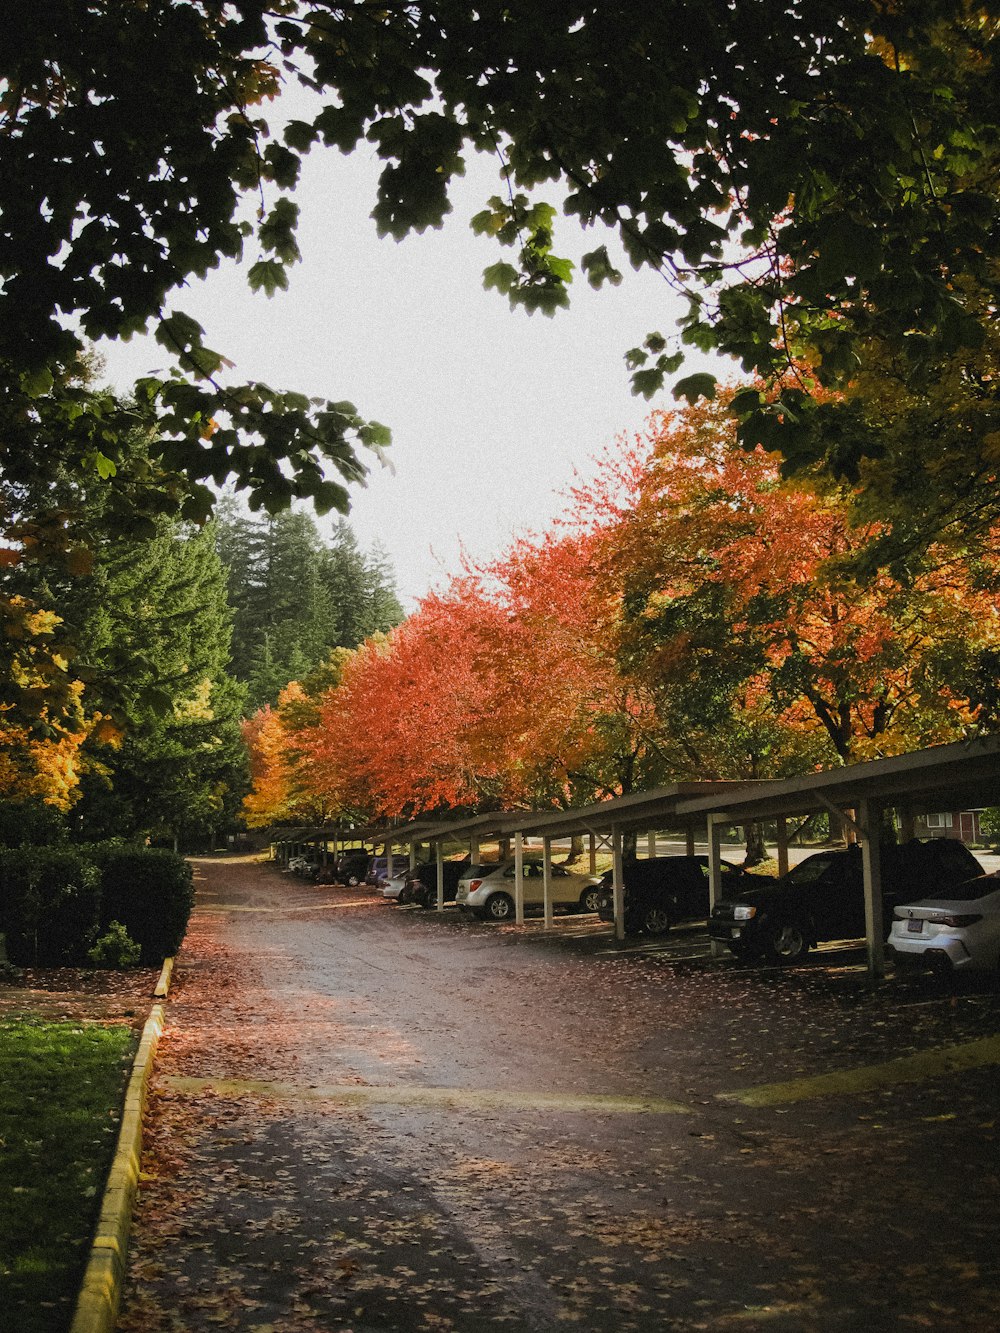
{"points": [[962, 775], [640, 811]]}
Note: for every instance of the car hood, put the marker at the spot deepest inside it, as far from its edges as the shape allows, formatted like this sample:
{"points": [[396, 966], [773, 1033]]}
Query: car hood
{"points": [[765, 892]]}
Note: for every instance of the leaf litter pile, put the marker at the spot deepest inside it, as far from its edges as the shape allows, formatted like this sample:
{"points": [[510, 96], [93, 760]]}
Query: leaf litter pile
{"points": [[352, 1127]]}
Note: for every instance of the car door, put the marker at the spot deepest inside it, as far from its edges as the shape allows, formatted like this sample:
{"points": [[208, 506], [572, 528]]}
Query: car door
{"points": [[531, 873], [839, 900]]}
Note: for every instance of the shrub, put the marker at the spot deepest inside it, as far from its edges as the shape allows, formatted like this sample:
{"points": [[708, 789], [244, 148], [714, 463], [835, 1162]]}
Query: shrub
{"points": [[149, 891], [990, 823], [115, 949], [50, 905]]}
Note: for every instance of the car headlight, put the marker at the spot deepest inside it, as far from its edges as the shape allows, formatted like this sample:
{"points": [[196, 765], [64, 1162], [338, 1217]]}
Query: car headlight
{"points": [[744, 912]]}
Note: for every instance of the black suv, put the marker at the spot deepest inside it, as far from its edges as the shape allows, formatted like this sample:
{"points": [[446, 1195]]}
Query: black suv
{"points": [[662, 890], [353, 867], [822, 898], [421, 887]]}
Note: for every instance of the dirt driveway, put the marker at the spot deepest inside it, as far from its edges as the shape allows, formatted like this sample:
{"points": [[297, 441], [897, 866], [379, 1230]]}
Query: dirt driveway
{"points": [[367, 1117]]}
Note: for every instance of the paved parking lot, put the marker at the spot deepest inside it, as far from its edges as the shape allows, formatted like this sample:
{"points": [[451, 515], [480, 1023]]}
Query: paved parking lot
{"points": [[368, 1117]]}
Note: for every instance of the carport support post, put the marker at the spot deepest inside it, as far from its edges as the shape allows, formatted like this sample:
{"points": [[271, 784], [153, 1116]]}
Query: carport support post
{"points": [[593, 853], [651, 843], [618, 882], [871, 863], [715, 826], [782, 845], [547, 880], [439, 858], [689, 840], [519, 878]]}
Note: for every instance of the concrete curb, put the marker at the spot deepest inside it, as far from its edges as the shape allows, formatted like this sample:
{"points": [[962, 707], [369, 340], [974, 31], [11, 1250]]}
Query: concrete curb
{"points": [[163, 985], [100, 1294]]}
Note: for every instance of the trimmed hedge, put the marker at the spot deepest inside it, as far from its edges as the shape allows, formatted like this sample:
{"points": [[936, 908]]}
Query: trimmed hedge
{"points": [[50, 905], [151, 892], [56, 902]]}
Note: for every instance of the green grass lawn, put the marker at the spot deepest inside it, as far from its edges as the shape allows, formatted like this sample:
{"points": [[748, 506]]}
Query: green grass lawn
{"points": [[61, 1087]]}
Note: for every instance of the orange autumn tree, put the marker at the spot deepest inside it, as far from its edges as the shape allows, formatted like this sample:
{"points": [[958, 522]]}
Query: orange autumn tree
{"points": [[281, 787], [399, 734], [498, 691], [564, 718], [268, 801], [691, 615], [728, 729], [284, 787], [735, 581]]}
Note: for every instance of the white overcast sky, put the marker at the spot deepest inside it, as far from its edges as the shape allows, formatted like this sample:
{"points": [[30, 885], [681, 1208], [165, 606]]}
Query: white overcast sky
{"points": [[491, 410]]}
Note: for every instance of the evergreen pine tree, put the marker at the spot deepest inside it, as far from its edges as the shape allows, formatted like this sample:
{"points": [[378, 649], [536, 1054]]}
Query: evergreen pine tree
{"points": [[295, 597], [161, 627]]}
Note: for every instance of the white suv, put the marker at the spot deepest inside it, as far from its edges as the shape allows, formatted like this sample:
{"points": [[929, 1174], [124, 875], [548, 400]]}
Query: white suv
{"points": [[489, 890]]}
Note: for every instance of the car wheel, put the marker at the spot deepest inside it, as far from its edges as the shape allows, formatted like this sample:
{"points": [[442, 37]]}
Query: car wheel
{"points": [[500, 907], [590, 899], [656, 921], [787, 942]]}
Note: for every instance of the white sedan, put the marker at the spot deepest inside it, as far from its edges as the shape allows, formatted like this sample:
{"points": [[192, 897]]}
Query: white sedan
{"points": [[960, 933]]}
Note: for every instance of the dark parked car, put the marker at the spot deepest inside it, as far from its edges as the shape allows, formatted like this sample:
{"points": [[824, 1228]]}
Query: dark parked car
{"points": [[663, 890], [352, 867], [421, 887], [822, 898]]}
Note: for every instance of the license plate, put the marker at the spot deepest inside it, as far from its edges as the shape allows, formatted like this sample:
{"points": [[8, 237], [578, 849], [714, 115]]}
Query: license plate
{"points": [[914, 925]]}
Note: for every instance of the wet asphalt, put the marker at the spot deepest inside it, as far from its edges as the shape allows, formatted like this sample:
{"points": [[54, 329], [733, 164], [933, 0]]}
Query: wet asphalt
{"points": [[367, 1117]]}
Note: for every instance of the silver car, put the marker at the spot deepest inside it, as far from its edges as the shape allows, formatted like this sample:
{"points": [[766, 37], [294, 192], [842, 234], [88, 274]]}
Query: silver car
{"points": [[957, 933], [392, 888], [488, 891]]}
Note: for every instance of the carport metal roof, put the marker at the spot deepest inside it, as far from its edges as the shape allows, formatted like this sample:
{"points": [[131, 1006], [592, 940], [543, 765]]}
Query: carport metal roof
{"points": [[959, 776], [623, 812], [642, 810]]}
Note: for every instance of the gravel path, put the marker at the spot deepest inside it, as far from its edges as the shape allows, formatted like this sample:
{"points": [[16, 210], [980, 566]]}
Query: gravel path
{"points": [[367, 1117]]}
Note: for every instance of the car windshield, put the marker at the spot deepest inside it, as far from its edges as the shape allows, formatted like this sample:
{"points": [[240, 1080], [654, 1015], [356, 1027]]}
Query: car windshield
{"points": [[809, 871]]}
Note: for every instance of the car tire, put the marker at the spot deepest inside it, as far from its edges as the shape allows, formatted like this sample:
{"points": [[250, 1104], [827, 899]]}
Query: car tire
{"points": [[499, 907], [656, 921], [787, 942], [590, 899]]}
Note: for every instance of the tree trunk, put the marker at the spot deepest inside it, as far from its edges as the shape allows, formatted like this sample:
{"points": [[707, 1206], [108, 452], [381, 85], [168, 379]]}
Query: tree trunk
{"points": [[575, 849], [756, 851]]}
